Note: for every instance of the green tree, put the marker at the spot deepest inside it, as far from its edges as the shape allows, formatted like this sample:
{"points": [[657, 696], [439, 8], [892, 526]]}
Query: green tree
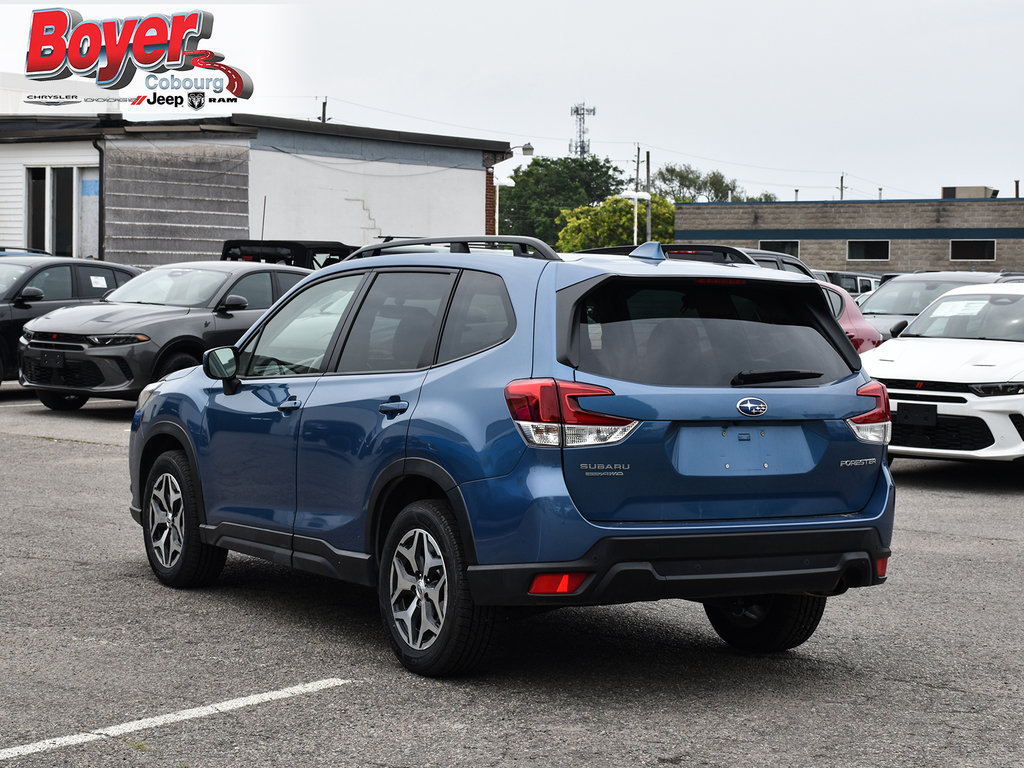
{"points": [[550, 184], [611, 223], [686, 184]]}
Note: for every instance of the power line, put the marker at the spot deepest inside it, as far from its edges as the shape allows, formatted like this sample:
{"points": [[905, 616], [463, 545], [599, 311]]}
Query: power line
{"points": [[667, 150]]}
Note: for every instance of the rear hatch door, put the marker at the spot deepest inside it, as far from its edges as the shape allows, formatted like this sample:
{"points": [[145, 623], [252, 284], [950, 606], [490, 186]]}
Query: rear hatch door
{"points": [[741, 390]]}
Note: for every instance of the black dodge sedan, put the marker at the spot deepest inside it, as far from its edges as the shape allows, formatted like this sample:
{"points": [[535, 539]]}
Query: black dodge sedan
{"points": [[158, 323]]}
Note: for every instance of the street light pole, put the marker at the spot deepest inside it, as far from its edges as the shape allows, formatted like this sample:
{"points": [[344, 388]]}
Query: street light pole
{"points": [[498, 184]]}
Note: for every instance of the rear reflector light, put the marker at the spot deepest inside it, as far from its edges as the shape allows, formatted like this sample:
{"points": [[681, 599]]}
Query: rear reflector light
{"points": [[881, 566], [874, 426], [557, 583], [548, 414]]}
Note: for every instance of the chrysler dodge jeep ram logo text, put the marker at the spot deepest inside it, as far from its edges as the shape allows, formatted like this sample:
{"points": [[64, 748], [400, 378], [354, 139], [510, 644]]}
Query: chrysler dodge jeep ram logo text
{"points": [[111, 51], [752, 406]]}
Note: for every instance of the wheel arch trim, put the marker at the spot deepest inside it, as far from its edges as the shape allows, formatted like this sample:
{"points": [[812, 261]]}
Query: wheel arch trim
{"points": [[157, 443], [391, 479]]}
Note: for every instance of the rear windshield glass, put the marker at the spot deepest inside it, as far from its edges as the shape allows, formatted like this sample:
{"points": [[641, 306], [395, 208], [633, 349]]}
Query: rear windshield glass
{"points": [[906, 297], [693, 332]]}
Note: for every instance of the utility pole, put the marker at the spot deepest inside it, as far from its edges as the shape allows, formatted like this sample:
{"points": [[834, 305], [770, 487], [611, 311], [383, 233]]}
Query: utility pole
{"points": [[841, 185], [650, 235], [323, 111], [636, 193]]}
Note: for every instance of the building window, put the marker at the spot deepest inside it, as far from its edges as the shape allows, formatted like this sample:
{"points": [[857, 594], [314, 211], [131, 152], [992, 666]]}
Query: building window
{"points": [[972, 250], [873, 250], [792, 247], [62, 210]]}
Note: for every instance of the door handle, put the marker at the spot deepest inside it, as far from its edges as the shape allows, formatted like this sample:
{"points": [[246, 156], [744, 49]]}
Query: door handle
{"points": [[291, 404], [393, 407]]}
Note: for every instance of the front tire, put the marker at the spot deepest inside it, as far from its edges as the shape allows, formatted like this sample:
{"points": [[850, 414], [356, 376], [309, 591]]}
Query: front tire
{"points": [[170, 524], [60, 401], [766, 623], [434, 626]]}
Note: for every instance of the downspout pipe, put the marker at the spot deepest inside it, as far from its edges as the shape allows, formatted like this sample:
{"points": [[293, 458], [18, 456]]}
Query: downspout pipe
{"points": [[101, 224]]}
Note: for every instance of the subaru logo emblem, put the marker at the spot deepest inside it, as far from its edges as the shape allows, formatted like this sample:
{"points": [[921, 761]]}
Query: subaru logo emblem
{"points": [[752, 406]]}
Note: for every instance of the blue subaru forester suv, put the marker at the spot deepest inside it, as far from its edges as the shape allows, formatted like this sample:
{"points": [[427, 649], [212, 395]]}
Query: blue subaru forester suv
{"points": [[476, 423]]}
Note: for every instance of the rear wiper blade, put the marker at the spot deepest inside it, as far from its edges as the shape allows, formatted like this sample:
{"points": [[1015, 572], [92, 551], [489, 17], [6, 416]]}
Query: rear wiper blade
{"points": [[763, 377]]}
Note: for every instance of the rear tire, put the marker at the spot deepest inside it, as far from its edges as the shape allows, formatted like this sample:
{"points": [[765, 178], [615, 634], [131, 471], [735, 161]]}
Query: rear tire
{"points": [[434, 626], [60, 401], [766, 623], [170, 525]]}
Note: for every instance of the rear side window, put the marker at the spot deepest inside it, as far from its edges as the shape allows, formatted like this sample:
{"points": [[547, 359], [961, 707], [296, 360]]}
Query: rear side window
{"points": [[397, 325], [480, 316], [286, 280], [257, 289], [93, 282], [706, 333]]}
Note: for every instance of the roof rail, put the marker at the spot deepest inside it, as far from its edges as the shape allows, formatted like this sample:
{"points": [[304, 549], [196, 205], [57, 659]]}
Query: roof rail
{"points": [[526, 247], [16, 249], [718, 254]]}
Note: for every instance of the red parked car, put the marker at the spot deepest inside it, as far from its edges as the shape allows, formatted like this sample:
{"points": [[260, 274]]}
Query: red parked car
{"points": [[862, 333]]}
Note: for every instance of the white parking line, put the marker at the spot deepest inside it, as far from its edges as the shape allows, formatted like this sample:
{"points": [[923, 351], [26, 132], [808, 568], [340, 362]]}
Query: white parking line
{"points": [[49, 745]]}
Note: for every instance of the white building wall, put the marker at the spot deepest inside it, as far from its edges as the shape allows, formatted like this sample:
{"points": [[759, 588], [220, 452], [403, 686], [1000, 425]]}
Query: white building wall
{"points": [[314, 197], [14, 159]]}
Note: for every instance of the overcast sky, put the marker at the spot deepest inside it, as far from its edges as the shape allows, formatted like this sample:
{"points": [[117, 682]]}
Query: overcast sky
{"points": [[906, 95]]}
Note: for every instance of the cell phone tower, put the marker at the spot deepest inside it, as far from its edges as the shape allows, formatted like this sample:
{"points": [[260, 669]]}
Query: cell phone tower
{"points": [[581, 147]]}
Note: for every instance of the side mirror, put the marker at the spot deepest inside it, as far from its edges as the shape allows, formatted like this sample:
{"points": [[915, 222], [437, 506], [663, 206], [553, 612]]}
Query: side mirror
{"points": [[29, 294], [222, 364], [899, 328], [233, 303]]}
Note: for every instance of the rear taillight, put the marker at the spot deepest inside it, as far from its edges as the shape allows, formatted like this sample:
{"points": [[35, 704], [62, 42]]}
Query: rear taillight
{"points": [[874, 426], [548, 414]]}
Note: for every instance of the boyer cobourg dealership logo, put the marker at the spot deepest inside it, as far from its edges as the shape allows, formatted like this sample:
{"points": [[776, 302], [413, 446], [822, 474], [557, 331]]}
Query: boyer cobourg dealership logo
{"points": [[113, 51]]}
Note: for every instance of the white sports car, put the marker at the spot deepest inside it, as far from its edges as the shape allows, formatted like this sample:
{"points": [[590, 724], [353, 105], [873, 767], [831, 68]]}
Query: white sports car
{"points": [[955, 376]]}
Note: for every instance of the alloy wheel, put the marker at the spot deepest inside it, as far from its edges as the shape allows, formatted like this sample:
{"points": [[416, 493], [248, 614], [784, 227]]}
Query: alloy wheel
{"points": [[166, 520], [419, 589]]}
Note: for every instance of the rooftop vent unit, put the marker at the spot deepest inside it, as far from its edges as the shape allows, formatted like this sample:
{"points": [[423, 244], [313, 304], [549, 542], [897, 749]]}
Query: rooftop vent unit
{"points": [[960, 193]]}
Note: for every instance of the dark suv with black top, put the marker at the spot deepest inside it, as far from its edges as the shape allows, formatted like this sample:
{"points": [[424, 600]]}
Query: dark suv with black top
{"points": [[477, 423]]}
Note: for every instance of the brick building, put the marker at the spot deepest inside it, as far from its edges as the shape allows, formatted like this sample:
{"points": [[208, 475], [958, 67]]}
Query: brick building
{"points": [[968, 228]]}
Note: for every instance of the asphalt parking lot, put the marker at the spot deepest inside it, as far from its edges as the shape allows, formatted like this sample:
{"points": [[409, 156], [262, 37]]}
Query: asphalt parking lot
{"points": [[102, 665]]}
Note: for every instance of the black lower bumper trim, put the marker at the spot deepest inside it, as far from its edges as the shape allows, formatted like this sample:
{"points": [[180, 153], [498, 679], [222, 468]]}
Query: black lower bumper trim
{"points": [[629, 569]]}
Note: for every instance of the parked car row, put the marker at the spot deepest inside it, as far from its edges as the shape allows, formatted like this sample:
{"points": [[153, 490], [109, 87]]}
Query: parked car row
{"points": [[159, 322], [166, 320]]}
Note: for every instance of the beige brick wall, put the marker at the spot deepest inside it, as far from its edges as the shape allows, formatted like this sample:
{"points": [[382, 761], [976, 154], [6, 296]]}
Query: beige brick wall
{"points": [[745, 224]]}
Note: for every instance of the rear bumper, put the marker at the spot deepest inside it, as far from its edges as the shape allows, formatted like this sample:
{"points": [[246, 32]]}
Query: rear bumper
{"points": [[629, 569]]}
